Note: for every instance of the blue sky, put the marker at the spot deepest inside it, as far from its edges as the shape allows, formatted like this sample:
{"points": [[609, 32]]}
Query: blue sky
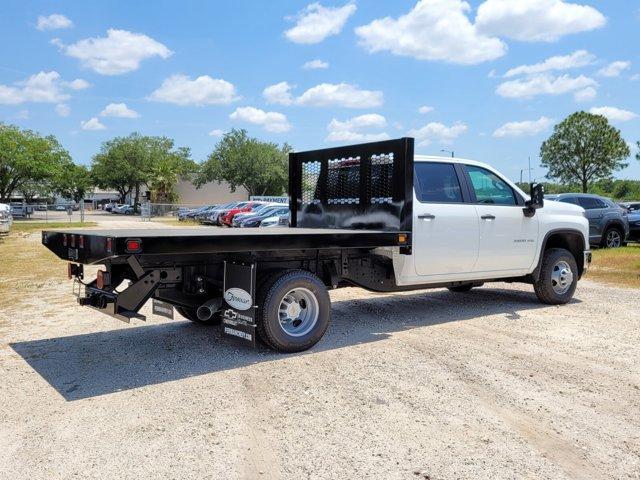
{"points": [[193, 69]]}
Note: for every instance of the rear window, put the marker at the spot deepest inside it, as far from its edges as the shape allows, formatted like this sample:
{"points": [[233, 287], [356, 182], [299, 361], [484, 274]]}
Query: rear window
{"points": [[437, 183]]}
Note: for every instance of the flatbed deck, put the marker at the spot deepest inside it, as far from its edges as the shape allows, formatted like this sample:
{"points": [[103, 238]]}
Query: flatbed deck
{"points": [[100, 244]]}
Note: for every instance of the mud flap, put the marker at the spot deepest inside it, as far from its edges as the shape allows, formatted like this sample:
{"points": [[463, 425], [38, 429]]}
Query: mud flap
{"points": [[238, 318]]}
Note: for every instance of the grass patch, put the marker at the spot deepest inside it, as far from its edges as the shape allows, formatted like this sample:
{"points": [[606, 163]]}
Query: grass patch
{"points": [[616, 266], [37, 226], [26, 267]]}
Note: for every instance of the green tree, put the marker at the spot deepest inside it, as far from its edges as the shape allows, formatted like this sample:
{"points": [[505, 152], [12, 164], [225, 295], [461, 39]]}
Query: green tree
{"points": [[582, 149], [126, 164], [73, 181], [27, 160], [260, 167]]}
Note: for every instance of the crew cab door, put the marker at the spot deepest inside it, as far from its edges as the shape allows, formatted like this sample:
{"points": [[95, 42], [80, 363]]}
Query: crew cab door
{"points": [[508, 239], [445, 228]]}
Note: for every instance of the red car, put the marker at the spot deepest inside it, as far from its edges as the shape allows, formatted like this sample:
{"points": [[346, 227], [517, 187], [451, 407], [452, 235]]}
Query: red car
{"points": [[227, 217]]}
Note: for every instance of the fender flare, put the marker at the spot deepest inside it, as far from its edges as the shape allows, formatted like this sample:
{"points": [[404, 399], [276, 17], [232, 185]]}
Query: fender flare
{"points": [[566, 231]]}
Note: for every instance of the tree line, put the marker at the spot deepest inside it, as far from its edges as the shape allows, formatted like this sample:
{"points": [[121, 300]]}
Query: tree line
{"points": [[581, 154], [39, 167]]}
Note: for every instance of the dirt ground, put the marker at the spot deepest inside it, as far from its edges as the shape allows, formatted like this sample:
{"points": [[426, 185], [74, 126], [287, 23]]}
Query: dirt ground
{"points": [[429, 384]]}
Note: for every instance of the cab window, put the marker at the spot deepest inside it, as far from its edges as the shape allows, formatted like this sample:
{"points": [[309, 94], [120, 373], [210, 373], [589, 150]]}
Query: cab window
{"points": [[437, 183], [489, 188]]}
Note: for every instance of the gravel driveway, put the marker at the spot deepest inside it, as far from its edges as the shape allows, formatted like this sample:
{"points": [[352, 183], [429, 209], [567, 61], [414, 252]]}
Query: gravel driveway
{"points": [[429, 384]]}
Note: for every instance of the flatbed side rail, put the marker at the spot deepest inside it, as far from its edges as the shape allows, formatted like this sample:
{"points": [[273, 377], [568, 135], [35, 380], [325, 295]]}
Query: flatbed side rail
{"points": [[366, 186]]}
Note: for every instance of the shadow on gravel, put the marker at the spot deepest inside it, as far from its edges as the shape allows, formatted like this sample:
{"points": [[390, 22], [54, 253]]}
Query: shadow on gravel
{"points": [[89, 365]]}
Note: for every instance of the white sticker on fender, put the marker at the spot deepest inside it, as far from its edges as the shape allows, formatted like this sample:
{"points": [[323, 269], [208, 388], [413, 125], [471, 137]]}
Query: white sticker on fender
{"points": [[238, 298]]}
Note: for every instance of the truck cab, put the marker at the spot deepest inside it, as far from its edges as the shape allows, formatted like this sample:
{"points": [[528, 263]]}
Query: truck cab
{"points": [[471, 223]]}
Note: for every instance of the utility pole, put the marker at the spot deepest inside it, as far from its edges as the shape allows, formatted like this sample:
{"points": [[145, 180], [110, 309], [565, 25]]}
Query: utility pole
{"points": [[448, 151]]}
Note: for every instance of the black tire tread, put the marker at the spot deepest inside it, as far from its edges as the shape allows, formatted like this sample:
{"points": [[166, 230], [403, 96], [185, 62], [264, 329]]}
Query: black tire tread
{"points": [[265, 294], [603, 242], [542, 286]]}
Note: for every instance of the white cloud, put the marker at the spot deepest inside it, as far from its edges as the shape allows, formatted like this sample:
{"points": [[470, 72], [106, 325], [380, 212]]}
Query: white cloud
{"points": [[117, 53], [585, 95], [315, 65], [614, 114], [543, 85], [315, 23], [340, 95], [525, 128], [635, 77], [354, 129], [78, 84], [216, 132], [436, 131], [119, 110], [536, 20], [271, 121], [579, 58], [53, 22], [432, 30], [42, 87], [204, 90], [425, 109], [92, 124], [280, 93], [63, 109], [614, 69]]}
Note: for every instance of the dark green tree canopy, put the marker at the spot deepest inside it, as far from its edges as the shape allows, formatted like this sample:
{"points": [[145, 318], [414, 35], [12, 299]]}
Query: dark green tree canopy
{"points": [[73, 181], [127, 163], [583, 149], [28, 161], [260, 167]]}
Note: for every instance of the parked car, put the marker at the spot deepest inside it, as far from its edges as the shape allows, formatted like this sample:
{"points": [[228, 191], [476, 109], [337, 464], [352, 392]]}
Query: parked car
{"points": [[210, 216], [630, 206], [608, 222], [109, 207], [226, 217], [634, 225], [278, 221], [123, 209], [19, 210], [240, 217], [255, 220], [5, 218], [61, 208], [191, 213]]}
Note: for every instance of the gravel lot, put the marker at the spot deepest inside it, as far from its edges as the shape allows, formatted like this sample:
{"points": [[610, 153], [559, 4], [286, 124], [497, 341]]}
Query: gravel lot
{"points": [[428, 384]]}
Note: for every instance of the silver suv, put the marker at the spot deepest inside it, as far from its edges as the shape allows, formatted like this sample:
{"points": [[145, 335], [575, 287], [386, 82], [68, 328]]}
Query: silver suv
{"points": [[608, 222]]}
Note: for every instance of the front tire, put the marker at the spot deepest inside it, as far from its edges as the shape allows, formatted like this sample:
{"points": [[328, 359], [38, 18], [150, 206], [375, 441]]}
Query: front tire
{"points": [[294, 311], [612, 238], [558, 277]]}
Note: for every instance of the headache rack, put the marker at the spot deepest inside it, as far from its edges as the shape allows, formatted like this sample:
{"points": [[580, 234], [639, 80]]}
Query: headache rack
{"points": [[367, 186]]}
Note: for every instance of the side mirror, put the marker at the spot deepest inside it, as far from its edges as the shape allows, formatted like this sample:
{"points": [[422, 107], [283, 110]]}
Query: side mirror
{"points": [[536, 201]]}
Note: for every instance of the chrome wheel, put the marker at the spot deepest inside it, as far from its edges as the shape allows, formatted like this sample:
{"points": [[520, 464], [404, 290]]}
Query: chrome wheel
{"points": [[614, 240], [298, 312], [561, 277]]}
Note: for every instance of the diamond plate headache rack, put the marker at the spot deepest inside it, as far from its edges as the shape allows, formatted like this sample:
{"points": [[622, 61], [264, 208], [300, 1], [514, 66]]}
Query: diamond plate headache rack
{"points": [[365, 186]]}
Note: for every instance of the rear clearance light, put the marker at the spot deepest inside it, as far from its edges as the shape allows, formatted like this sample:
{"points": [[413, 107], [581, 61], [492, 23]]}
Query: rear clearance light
{"points": [[73, 241], [81, 241], [65, 239], [402, 238], [109, 245], [133, 245]]}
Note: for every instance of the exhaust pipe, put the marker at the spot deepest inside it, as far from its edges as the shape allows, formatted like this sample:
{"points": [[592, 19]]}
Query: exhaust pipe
{"points": [[208, 309]]}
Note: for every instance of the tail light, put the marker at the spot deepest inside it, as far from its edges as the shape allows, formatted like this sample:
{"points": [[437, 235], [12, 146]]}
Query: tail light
{"points": [[133, 245]]}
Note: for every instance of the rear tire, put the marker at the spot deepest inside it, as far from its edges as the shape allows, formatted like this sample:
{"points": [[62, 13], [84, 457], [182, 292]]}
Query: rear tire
{"points": [[294, 311], [190, 314], [558, 277], [613, 238]]}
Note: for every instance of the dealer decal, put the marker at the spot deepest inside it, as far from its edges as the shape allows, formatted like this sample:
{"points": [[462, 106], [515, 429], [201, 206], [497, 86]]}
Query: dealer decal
{"points": [[238, 298]]}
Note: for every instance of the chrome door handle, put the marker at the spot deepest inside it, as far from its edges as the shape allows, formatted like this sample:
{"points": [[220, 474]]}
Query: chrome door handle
{"points": [[488, 217], [427, 216]]}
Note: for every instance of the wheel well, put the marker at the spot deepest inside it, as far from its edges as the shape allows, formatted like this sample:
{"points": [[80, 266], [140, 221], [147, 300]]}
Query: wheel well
{"points": [[614, 223], [569, 240]]}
